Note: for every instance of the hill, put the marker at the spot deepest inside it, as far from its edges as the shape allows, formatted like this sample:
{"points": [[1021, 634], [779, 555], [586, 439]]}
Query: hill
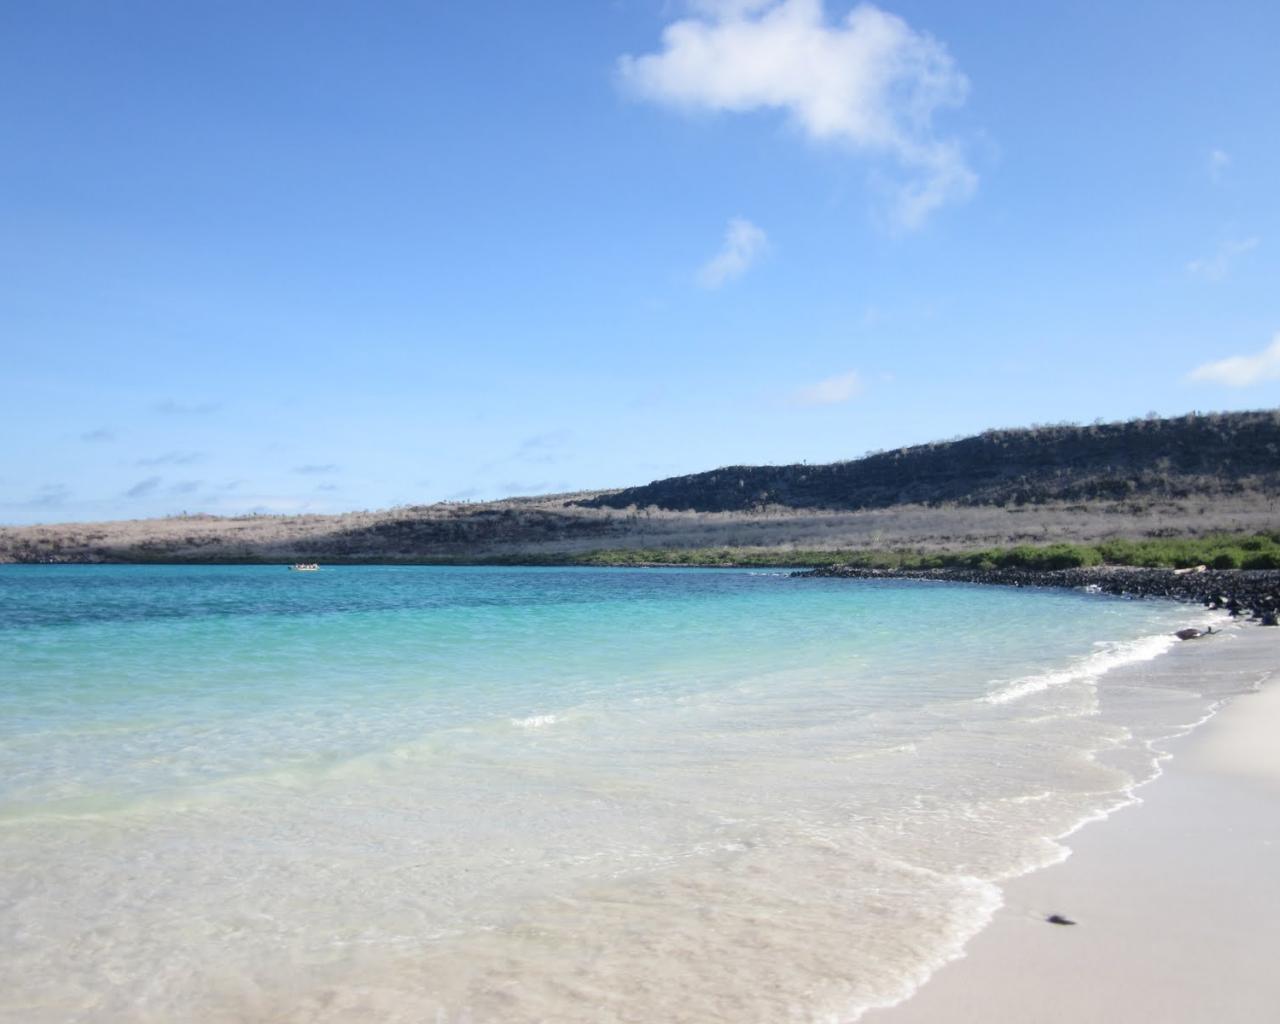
{"points": [[1152, 478], [1210, 456]]}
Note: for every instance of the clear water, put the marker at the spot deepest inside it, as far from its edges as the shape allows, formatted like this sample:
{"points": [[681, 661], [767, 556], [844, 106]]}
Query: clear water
{"points": [[472, 794]]}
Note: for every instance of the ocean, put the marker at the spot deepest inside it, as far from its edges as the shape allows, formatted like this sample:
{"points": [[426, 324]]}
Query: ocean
{"points": [[444, 794]]}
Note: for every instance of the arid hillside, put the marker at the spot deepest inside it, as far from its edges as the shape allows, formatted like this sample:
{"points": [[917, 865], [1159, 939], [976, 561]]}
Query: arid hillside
{"points": [[1150, 478], [1147, 460]]}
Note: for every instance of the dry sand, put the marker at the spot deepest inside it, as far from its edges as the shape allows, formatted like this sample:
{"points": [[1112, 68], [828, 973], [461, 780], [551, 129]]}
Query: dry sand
{"points": [[1177, 899]]}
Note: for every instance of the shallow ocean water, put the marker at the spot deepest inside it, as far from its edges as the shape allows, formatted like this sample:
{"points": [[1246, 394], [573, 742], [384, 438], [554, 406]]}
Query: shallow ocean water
{"points": [[483, 794]]}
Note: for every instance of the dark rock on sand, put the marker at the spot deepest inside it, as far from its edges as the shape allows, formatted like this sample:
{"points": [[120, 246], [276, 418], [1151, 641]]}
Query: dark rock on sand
{"points": [[1255, 592]]}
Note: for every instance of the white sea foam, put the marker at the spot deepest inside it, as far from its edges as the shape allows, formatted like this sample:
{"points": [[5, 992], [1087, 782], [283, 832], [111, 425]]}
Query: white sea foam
{"points": [[1087, 669], [985, 898], [535, 721]]}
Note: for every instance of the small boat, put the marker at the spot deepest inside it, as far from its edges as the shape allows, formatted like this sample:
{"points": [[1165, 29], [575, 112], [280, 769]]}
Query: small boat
{"points": [[304, 567]]}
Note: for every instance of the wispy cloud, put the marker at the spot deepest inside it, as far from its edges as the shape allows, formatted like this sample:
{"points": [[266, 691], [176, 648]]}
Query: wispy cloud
{"points": [[831, 391], [171, 408], [1218, 266], [743, 245], [1241, 371], [172, 459], [545, 447], [869, 82], [100, 434], [313, 469], [49, 495], [541, 449], [1219, 161], [185, 487], [143, 487]]}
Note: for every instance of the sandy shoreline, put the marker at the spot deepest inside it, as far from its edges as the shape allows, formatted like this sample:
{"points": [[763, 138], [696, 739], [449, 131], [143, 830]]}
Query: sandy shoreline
{"points": [[1175, 898]]}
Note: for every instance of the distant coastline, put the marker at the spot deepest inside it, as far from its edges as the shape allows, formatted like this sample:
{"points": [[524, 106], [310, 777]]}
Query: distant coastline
{"points": [[1212, 479]]}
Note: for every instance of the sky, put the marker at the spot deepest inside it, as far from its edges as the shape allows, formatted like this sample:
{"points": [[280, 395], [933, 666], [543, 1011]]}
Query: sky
{"points": [[322, 256]]}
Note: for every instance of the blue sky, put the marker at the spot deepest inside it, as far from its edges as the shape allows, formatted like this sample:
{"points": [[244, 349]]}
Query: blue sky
{"points": [[326, 256]]}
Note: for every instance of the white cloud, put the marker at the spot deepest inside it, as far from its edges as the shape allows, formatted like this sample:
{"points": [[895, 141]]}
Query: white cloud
{"points": [[869, 82], [744, 243], [1241, 371], [831, 391], [1219, 161], [1218, 266]]}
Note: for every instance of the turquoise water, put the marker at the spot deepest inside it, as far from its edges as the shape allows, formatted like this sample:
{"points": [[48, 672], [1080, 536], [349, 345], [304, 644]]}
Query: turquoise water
{"points": [[408, 793]]}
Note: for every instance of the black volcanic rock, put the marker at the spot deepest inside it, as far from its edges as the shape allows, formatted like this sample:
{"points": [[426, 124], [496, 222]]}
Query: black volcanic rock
{"points": [[1238, 591]]}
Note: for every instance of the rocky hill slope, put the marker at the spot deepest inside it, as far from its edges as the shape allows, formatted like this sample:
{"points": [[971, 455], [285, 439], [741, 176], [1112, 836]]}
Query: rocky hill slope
{"points": [[1161, 459]]}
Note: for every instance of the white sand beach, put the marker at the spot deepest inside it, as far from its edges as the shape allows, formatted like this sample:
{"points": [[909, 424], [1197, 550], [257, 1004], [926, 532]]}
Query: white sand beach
{"points": [[1176, 900]]}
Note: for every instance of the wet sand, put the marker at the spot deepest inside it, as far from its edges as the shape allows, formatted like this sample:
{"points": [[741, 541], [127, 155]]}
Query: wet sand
{"points": [[1176, 900]]}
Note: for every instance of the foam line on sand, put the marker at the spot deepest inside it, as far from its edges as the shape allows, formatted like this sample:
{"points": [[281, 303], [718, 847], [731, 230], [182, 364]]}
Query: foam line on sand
{"points": [[1175, 900]]}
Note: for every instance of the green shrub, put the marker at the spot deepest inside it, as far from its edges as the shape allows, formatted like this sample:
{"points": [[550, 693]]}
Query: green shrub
{"points": [[1222, 551], [1054, 556]]}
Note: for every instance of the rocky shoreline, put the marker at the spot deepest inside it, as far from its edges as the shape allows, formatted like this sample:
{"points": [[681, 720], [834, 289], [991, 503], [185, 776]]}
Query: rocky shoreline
{"points": [[1254, 594]]}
